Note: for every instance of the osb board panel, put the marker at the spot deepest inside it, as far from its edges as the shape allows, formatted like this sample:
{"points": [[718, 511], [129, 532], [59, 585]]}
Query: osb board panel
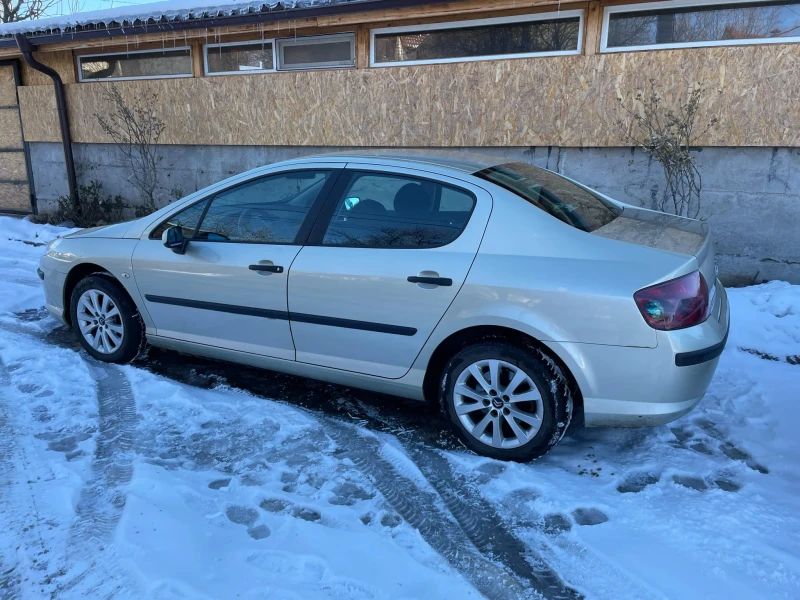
{"points": [[14, 196], [62, 62], [566, 101], [8, 94], [12, 166], [10, 135]]}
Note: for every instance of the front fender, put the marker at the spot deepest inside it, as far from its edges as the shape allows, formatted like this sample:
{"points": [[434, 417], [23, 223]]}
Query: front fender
{"points": [[73, 257]]}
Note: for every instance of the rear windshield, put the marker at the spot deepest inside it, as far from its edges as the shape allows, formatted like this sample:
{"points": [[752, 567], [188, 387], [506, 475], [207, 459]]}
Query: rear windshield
{"points": [[553, 194]]}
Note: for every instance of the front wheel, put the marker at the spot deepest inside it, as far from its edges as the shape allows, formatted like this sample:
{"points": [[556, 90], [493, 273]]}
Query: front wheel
{"points": [[505, 401], [106, 320]]}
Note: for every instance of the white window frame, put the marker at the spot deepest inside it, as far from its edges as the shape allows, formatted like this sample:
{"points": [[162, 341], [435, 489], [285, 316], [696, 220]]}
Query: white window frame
{"points": [[206, 48], [129, 52], [477, 23], [281, 43], [632, 8]]}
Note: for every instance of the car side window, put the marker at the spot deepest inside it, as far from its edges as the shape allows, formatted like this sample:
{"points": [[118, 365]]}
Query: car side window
{"points": [[269, 210], [383, 210], [186, 219]]}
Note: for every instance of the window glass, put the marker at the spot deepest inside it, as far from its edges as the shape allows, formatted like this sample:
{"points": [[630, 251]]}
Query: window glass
{"points": [[703, 24], [158, 63], [314, 52], [186, 219], [267, 211], [380, 210], [553, 194], [529, 37], [240, 57]]}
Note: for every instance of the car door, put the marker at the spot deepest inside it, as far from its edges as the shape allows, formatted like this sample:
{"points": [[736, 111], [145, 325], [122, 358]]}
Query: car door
{"points": [[389, 253], [229, 287]]}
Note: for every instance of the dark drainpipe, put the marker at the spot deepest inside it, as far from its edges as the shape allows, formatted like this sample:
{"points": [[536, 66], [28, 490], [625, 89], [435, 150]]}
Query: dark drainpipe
{"points": [[66, 139]]}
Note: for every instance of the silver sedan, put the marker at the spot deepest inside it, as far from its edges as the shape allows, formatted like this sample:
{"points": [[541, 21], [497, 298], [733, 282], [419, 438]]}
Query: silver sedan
{"points": [[519, 300]]}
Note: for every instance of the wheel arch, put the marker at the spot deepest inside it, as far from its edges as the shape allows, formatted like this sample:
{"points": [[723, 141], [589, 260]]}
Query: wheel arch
{"points": [[448, 347], [75, 276]]}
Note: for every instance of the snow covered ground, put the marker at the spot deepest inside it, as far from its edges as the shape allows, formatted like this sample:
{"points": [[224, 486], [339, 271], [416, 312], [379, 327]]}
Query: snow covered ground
{"points": [[178, 478]]}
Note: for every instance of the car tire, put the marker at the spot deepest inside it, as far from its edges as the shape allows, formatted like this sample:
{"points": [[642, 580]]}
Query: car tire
{"points": [[106, 320], [494, 420]]}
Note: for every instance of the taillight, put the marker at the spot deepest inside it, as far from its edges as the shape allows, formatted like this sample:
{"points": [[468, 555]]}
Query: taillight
{"points": [[675, 304]]}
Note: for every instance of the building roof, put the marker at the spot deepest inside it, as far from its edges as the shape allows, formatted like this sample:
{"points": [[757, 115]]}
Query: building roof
{"points": [[169, 10], [175, 15]]}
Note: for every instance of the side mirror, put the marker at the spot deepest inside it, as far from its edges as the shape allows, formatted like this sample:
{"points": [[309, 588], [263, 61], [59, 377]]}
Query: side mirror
{"points": [[174, 240]]}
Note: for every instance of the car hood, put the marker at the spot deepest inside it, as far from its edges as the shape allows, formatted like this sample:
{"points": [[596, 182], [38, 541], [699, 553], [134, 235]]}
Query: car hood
{"points": [[104, 231]]}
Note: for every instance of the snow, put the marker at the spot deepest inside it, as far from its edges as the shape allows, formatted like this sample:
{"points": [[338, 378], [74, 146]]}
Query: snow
{"points": [[172, 10], [176, 478]]}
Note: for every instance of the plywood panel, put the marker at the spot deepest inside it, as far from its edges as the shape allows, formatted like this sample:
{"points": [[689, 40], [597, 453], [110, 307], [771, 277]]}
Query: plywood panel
{"points": [[10, 134], [15, 196], [12, 166], [496, 103], [8, 89], [763, 96], [61, 61], [567, 101]]}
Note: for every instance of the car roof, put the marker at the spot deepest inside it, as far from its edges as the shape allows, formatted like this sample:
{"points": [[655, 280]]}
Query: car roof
{"points": [[467, 162]]}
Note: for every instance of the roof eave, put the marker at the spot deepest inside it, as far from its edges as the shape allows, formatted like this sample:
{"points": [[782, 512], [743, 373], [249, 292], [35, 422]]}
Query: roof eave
{"points": [[43, 38]]}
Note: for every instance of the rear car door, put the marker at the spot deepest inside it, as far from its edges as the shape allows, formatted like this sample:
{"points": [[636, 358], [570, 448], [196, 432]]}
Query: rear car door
{"points": [[389, 253], [229, 288]]}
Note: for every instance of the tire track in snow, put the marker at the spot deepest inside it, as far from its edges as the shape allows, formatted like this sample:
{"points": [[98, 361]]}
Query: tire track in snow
{"points": [[421, 509], [102, 499], [485, 527]]}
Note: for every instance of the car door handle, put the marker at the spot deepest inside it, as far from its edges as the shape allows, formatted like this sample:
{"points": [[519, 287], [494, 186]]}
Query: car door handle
{"points": [[445, 281], [267, 268]]}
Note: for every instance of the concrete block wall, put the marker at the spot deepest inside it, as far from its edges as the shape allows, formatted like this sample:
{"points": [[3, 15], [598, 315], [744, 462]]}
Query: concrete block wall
{"points": [[751, 196]]}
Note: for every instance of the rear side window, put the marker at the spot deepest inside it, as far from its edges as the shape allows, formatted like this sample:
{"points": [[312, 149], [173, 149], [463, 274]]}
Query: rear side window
{"points": [[553, 194], [382, 210]]}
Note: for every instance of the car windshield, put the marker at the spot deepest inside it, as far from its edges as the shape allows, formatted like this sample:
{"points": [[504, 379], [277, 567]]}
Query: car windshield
{"points": [[553, 194]]}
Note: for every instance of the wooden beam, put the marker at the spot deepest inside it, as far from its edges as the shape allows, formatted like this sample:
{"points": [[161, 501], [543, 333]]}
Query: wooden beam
{"points": [[362, 47], [594, 22], [198, 69]]}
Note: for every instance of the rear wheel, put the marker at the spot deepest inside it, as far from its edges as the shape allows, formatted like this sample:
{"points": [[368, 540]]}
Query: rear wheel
{"points": [[506, 401], [106, 320]]}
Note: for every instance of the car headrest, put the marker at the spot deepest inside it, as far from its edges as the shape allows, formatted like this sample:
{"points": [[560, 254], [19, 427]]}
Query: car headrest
{"points": [[413, 199], [368, 207]]}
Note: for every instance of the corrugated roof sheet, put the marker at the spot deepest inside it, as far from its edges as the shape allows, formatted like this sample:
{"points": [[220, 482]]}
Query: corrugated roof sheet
{"points": [[158, 12]]}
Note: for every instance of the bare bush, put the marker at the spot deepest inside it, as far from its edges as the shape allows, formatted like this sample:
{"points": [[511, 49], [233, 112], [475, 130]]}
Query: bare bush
{"points": [[667, 136], [12, 11], [92, 208], [136, 128]]}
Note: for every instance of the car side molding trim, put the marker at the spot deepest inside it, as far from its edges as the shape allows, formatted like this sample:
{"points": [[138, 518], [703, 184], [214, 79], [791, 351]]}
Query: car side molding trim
{"points": [[697, 357], [284, 315], [350, 324], [226, 308]]}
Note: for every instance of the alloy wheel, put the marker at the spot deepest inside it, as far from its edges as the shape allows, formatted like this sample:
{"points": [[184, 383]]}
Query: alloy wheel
{"points": [[498, 403], [100, 321]]}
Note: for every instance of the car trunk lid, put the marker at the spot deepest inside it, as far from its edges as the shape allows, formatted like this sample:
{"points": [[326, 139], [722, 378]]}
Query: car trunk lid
{"points": [[670, 233]]}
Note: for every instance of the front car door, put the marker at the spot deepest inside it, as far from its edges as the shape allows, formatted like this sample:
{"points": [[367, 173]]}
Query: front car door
{"points": [[389, 253], [229, 287]]}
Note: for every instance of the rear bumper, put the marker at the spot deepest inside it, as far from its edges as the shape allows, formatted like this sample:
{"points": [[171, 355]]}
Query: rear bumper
{"points": [[642, 387], [698, 357]]}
